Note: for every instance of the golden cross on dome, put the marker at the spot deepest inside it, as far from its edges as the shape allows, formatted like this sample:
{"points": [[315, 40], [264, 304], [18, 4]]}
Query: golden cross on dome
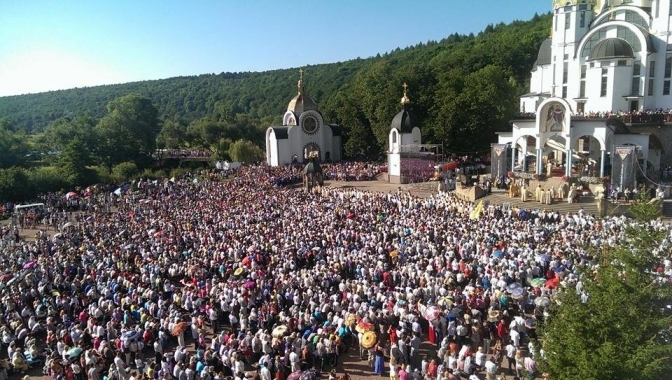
{"points": [[405, 100]]}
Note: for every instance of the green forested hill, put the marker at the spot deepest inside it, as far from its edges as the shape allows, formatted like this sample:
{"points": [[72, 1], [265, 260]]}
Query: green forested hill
{"points": [[461, 88]]}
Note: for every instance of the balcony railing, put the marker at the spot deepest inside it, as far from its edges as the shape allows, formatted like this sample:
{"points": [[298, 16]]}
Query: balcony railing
{"points": [[653, 118]]}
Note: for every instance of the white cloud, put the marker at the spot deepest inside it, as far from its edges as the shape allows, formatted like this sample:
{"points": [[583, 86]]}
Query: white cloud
{"points": [[46, 70]]}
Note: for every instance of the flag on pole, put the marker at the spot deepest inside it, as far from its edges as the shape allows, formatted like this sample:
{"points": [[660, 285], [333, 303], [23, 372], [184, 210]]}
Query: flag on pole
{"points": [[476, 212]]}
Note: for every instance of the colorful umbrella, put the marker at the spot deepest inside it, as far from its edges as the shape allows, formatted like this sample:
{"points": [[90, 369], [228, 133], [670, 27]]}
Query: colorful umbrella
{"points": [[29, 264], [432, 313], [296, 375], [350, 320], [179, 328], [363, 327], [130, 334], [74, 352], [542, 301], [553, 283], [369, 339], [517, 292], [538, 282], [513, 286], [445, 301], [250, 285], [239, 271], [394, 254], [71, 194], [279, 331]]}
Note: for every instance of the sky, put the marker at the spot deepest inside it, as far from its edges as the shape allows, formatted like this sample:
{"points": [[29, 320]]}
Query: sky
{"points": [[53, 45]]}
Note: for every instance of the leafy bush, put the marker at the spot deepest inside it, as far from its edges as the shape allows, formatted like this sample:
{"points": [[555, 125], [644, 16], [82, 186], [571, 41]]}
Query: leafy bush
{"points": [[124, 171], [15, 185], [103, 174], [47, 179], [152, 174]]}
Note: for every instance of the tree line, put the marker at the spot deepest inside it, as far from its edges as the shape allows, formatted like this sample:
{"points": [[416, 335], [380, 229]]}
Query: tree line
{"points": [[462, 87]]}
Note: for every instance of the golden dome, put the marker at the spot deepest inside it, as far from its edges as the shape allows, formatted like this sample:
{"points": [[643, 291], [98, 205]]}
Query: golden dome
{"points": [[301, 102]]}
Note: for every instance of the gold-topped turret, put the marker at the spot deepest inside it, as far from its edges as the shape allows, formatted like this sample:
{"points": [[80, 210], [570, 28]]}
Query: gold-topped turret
{"points": [[300, 84], [404, 99]]}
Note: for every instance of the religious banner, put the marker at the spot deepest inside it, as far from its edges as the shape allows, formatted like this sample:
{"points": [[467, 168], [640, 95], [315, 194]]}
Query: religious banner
{"points": [[623, 166], [499, 160]]}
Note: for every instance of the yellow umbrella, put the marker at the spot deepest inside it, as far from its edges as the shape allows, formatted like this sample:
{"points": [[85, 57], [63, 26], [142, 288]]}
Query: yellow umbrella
{"points": [[239, 271], [279, 331], [351, 320], [445, 301], [394, 253], [369, 339]]}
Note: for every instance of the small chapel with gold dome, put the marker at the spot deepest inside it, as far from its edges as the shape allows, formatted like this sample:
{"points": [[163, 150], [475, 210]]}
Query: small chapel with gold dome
{"points": [[303, 133]]}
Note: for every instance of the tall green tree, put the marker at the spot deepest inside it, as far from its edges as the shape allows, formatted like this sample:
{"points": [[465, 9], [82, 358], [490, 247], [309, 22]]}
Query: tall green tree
{"points": [[173, 135], [128, 131], [73, 164], [64, 130], [13, 148], [622, 331], [245, 151]]}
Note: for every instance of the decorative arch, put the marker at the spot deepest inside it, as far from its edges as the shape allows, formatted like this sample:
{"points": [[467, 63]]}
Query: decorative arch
{"points": [[269, 157], [621, 8], [554, 115], [634, 28], [527, 137], [309, 148], [289, 119], [603, 145]]}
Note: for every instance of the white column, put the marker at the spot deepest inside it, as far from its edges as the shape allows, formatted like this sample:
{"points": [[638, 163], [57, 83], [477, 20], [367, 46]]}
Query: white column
{"points": [[540, 164], [603, 158], [525, 155], [514, 148], [568, 167]]}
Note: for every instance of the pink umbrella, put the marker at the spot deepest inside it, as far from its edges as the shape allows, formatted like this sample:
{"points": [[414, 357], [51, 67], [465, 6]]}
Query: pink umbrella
{"points": [[250, 285], [432, 313], [71, 194], [29, 265]]}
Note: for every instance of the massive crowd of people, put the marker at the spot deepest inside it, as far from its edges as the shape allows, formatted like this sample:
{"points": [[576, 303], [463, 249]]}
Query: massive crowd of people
{"points": [[279, 282]]}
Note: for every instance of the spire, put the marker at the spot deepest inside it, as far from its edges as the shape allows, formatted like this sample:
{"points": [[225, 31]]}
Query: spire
{"points": [[300, 84], [405, 100]]}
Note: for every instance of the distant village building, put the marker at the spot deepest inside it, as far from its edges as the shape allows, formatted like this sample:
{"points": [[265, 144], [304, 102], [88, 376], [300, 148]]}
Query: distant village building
{"points": [[600, 92], [303, 134]]}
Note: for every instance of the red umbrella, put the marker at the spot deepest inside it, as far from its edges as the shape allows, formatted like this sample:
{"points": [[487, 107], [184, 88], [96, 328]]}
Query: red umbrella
{"points": [[552, 283], [449, 166], [363, 326]]}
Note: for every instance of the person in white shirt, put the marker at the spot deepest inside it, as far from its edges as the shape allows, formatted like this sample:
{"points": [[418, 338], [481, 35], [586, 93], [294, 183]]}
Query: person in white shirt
{"points": [[490, 370], [515, 338], [264, 373], [120, 366]]}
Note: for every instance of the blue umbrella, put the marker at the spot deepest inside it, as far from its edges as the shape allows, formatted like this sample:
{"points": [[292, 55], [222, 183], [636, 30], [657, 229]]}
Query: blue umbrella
{"points": [[132, 334], [498, 254], [516, 292]]}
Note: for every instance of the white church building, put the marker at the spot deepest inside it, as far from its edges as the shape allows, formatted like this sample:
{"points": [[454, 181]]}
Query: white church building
{"points": [[303, 133], [601, 83]]}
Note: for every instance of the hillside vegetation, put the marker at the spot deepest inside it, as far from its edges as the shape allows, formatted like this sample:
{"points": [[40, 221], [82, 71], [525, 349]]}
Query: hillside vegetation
{"points": [[462, 88]]}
